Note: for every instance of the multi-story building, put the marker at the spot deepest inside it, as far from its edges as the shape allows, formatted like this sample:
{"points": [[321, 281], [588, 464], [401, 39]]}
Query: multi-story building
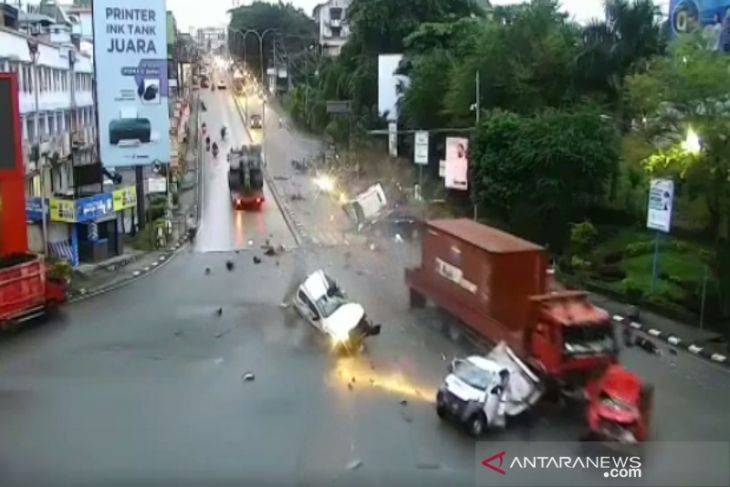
{"points": [[56, 107], [331, 19]]}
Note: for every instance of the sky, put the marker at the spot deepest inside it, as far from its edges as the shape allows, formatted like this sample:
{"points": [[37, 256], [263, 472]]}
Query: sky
{"points": [[189, 13]]}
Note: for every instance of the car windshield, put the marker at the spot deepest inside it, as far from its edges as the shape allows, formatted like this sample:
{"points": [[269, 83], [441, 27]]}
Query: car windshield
{"points": [[588, 340], [473, 375]]}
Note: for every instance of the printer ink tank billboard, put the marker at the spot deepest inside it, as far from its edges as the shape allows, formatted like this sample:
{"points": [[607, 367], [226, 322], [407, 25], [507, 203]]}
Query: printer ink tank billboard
{"points": [[130, 65]]}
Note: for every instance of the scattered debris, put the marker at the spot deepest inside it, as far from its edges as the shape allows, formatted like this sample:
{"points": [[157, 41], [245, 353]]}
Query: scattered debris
{"points": [[284, 304], [404, 402], [219, 311], [296, 197], [178, 333], [646, 345], [207, 270], [250, 243], [398, 238], [229, 265], [443, 357], [349, 385], [218, 361], [355, 464], [82, 291], [281, 178], [238, 251], [372, 247], [248, 377], [256, 259], [673, 351], [270, 252]]}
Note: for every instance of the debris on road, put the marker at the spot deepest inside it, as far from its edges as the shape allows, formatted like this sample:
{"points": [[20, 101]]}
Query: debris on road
{"points": [[219, 311], [284, 304], [256, 259], [398, 238], [296, 197], [229, 265], [207, 270], [281, 178], [349, 385], [250, 243], [646, 345], [443, 357], [248, 377], [355, 464], [404, 402], [270, 252], [178, 333]]}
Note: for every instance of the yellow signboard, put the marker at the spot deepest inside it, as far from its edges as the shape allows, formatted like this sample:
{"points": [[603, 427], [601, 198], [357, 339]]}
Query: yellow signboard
{"points": [[125, 198], [63, 210]]}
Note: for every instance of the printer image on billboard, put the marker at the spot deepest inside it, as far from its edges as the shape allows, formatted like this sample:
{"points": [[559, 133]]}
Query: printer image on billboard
{"points": [[130, 129]]}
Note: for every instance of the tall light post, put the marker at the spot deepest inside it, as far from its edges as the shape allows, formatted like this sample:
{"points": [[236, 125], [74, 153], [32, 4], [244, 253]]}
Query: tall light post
{"points": [[34, 55]]}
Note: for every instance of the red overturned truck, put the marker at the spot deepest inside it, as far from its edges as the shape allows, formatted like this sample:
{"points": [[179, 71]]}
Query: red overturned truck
{"points": [[496, 284], [25, 289]]}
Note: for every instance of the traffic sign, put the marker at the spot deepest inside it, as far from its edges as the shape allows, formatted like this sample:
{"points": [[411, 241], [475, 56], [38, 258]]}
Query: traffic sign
{"points": [[420, 151]]}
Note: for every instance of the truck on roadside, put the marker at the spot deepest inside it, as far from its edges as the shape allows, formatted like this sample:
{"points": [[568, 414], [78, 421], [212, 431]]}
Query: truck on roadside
{"points": [[496, 285], [26, 289], [246, 177]]}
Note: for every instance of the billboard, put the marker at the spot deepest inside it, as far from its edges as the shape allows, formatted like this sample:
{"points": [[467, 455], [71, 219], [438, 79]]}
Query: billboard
{"points": [[130, 64], [388, 85], [711, 16], [457, 165]]}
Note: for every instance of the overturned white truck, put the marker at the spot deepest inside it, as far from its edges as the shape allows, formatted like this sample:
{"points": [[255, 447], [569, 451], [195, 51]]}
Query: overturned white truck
{"points": [[481, 391]]}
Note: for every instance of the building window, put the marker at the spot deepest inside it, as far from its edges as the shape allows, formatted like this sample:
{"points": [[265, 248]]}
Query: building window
{"points": [[51, 124], [67, 120], [59, 123], [336, 13], [30, 128]]}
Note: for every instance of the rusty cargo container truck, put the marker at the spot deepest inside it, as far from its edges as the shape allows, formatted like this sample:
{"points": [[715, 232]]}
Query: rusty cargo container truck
{"points": [[495, 283]]}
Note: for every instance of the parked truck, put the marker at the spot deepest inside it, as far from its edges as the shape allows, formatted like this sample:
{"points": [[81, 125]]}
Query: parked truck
{"points": [[496, 285], [246, 177], [26, 290]]}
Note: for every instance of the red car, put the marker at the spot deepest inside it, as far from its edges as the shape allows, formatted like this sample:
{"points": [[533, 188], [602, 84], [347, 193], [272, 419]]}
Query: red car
{"points": [[620, 406]]}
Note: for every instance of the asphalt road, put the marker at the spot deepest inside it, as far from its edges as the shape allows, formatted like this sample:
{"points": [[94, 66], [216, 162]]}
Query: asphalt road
{"points": [[143, 386]]}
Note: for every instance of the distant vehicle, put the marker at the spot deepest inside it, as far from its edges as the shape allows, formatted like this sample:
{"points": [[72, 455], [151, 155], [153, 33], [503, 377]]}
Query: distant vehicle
{"points": [[255, 122], [324, 305], [221, 85], [246, 177], [480, 392]]}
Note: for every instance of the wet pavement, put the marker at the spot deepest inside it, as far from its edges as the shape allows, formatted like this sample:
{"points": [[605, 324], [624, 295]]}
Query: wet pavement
{"points": [[145, 385]]}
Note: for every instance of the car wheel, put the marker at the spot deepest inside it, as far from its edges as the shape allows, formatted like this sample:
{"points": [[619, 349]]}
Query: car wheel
{"points": [[477, 425], [441, 410]]}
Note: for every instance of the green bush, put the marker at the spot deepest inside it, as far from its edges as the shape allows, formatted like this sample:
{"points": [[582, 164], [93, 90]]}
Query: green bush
{"points": [[638, 248], [580, 264], [632, 289], [583, 237]]}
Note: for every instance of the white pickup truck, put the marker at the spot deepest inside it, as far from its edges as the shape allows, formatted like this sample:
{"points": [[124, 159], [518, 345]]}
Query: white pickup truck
{"points": [[480, 392]]}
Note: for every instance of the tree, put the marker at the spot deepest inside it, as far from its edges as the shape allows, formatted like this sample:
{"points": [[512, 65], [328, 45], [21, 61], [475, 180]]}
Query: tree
{"points": [[525, 56], [630, 35], [294, 30], [689, 89], [540, 172]]}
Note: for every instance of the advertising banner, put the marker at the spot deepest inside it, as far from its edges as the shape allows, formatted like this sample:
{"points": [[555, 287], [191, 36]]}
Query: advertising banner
{"points": [[457, 165], [34, 208], [661, 196], [124, 198], [393, 139], [63, 210], [130, 56], [710, 16], [82, 210]]}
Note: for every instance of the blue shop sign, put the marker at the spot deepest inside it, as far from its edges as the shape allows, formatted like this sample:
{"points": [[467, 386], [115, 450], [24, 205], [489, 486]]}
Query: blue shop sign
{"points": [[94, 207], [34, 208]]}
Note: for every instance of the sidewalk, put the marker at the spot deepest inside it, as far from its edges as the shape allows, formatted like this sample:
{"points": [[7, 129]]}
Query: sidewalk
{"points": [[92, 279]]}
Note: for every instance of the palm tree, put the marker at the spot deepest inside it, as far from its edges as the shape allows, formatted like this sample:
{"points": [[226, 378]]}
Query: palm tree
{"points": [[630, 34]]}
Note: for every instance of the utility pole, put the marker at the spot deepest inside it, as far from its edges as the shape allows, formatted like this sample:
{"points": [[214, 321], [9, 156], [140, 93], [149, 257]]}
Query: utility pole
{"points": [[34, 54], [477, 109]]}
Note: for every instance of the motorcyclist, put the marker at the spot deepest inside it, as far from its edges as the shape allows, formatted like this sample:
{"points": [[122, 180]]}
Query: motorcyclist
{"points": [[207, 143], [223, 132], [203, 107], [215, 149], [204, 128]]}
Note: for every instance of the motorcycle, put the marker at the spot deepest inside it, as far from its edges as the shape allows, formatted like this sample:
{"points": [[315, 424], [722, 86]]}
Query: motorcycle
{"points": [[223, 133], [215, 150], [203, 107], [207, 144]]}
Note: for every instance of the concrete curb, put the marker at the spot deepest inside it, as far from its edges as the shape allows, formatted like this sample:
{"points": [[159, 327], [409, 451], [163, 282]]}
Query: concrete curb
{"points": [[285, 211], [158, 264], [673, 340]]}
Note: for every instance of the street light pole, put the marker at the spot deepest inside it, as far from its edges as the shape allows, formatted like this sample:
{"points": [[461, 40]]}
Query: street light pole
{"points": [[34, 54]]}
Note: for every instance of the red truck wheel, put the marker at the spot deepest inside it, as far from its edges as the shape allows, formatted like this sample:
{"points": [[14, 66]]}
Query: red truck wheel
{"points": [[417, 300]]}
